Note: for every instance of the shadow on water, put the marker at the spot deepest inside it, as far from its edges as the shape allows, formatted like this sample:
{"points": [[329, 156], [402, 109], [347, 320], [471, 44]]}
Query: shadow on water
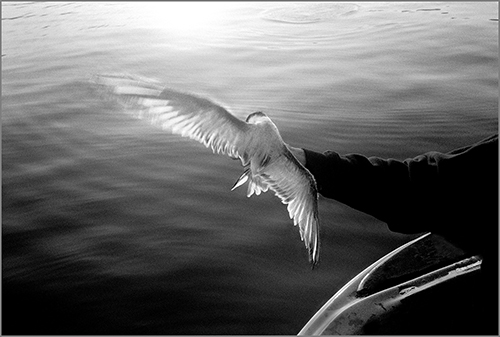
{"points": [[110, 226]]}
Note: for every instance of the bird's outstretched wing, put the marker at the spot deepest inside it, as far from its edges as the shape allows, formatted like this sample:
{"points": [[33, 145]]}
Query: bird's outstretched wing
{"points": [[212, 125], [183, 114], [296, 187]]}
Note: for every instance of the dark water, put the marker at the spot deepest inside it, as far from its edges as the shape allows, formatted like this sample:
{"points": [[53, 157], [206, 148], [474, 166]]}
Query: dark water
{"points": [[112, 226]]}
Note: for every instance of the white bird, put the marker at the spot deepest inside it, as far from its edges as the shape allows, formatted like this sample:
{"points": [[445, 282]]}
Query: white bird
{"points": [[256, 142]]}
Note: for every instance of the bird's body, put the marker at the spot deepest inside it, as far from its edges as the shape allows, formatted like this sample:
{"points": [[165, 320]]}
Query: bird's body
{"points": [[256, 142]]}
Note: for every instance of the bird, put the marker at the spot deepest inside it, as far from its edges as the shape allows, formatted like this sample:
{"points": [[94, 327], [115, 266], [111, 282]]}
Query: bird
{"points": [[267, 160]]}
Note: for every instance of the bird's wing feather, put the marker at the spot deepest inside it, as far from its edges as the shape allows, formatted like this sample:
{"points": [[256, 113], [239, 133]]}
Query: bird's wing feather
{"points": [[210, 124], [296, 187], [183, 114]]}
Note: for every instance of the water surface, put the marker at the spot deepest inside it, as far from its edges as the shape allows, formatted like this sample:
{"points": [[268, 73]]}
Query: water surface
{"points": [[112, 226]]}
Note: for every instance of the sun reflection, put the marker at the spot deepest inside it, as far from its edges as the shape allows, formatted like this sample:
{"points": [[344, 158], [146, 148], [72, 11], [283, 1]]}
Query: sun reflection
{"points": [[185, 17]]}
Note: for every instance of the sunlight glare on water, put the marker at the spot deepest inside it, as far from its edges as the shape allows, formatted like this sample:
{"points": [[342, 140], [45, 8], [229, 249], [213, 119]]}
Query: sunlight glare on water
{"points": [[190, 23], [111, 226], [182, 17]]}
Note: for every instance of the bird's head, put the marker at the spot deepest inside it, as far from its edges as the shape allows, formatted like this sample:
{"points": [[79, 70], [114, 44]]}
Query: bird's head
{"points": [[257, 117]]}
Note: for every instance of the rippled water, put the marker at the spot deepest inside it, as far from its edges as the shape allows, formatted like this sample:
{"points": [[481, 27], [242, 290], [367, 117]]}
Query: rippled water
{"points": [[112, 226]]}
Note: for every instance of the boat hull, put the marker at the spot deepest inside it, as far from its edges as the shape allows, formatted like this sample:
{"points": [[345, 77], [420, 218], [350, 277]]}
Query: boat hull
{"points": [[426, 286]]}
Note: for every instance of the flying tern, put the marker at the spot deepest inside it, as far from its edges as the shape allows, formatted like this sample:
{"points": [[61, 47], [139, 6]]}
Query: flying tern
{"points": [[268, 162]]}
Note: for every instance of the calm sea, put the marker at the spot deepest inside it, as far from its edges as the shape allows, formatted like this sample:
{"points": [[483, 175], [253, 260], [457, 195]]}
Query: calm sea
{"points": [[111, 226]]}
